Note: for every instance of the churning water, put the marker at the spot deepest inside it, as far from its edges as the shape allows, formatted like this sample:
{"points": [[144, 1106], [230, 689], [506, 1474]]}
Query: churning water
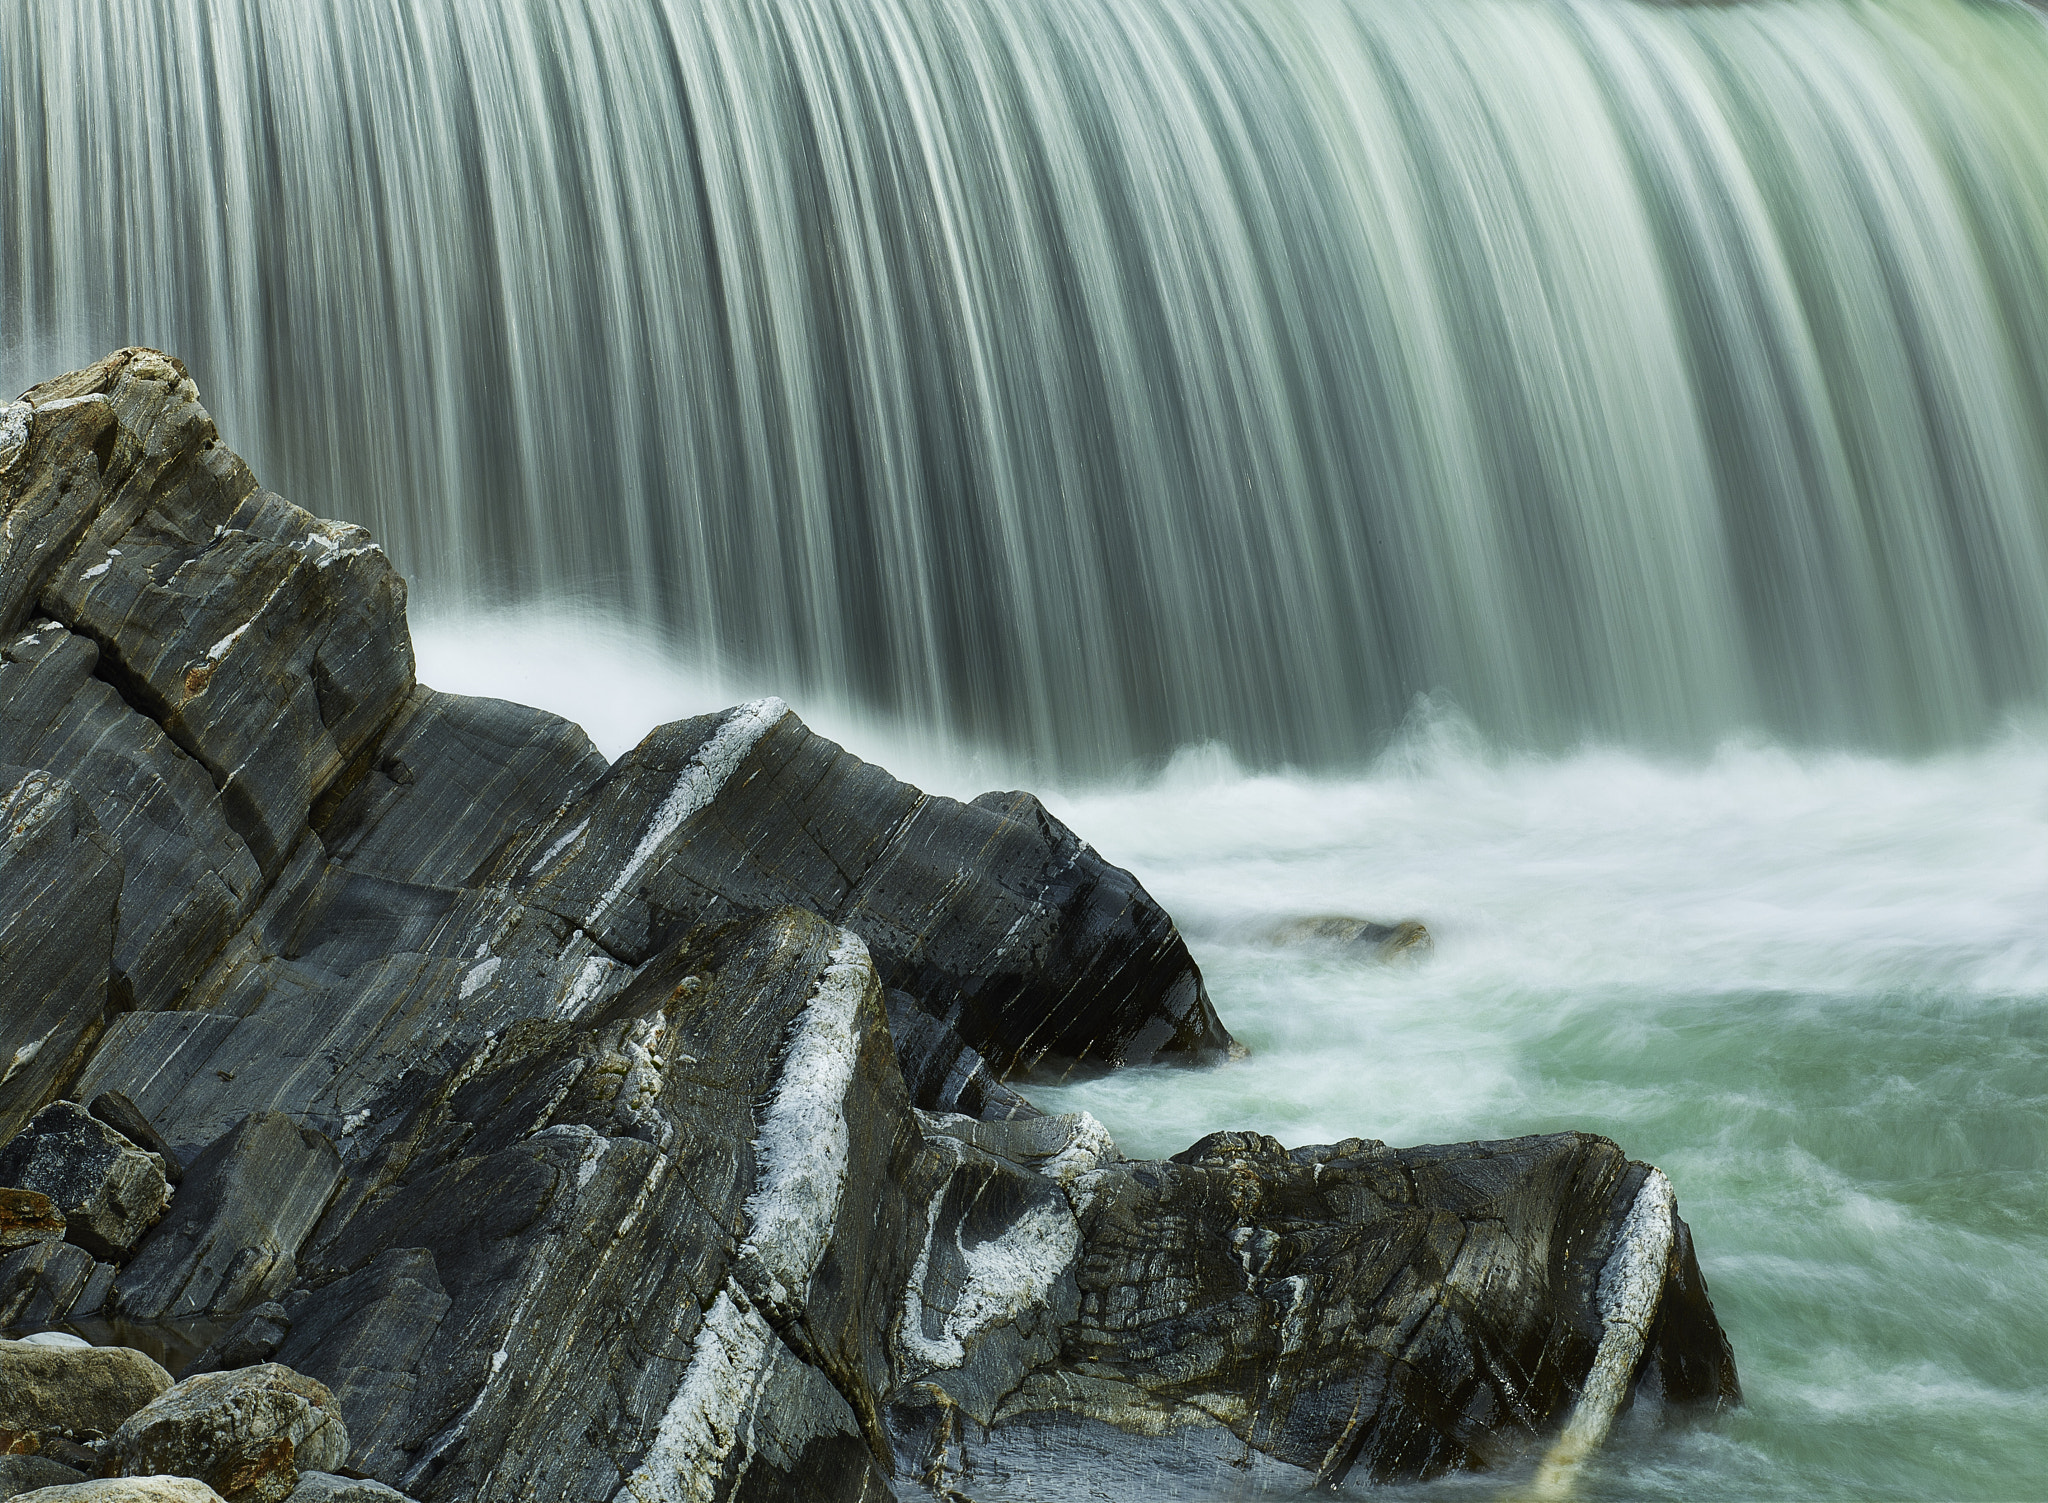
{"points": [[1813, 988], [1027, 389]]}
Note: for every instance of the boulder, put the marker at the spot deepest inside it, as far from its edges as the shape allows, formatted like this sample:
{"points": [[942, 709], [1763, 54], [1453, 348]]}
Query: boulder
{"points": [[942, 1070], [24, 1474], [163, 1489], [45, 1281], [997, 918], [186, 878], [110, 1191], [121, 1114], [232, 1240], [1339, 1314], [76, 1392], [60, 884], [245, 1433]]}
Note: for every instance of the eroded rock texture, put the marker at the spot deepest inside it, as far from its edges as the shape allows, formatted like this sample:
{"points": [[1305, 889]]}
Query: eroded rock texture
{"points": [[641, 1132]]}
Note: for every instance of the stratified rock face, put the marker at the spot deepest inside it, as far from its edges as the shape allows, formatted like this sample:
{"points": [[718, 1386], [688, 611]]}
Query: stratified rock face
{"points": [[552, 1119], [232, 1238], [110, 1191], [60, 881], [994, 915], [605, 1252]]}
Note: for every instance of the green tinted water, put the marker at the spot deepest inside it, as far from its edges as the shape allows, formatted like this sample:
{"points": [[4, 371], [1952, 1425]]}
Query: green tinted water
{"points": [[1815, 992]]}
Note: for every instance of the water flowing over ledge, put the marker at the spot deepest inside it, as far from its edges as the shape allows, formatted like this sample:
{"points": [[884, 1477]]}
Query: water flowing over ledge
{"points": [[1087, 379]]}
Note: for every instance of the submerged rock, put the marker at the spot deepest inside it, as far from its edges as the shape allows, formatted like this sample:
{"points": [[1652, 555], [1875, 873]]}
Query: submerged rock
{"points": [[1399, 941]]}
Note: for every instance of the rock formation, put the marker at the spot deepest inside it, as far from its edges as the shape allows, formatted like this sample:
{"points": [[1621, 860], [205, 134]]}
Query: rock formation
{"points": [[537, 1127]]}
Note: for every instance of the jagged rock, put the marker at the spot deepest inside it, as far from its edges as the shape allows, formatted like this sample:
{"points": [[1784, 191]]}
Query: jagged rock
{"points": [[60, 881], [110, 1191], [1348, 1311], [44, 1281], [73, 1392], [325, 1487], [164, 1489], [28, 1217], [368, 959], [1403, 940], [269, 645], [24, 1474], [232, 1240], [121, 1114], [187, 879], [252, 1339], [994, 915], [942, 1070], [668, 1237], [244, 1433]]}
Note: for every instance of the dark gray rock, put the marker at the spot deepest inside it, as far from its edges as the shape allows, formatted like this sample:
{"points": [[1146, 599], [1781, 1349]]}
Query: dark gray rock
{"points": [[110, 1191], [635, 1239], [22, 1474], [60, 881], [364, 1335], [43, 1282], [252, 1339], [448, 783], [187, 878], [995, 916], [232, 1238], [942, 1070], [269, 645], [245, 1433], [1345, 1312]]}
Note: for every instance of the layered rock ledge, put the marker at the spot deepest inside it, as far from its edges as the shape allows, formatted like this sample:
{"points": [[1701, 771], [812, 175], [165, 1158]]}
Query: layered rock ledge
{"points": [[649, 1130]]}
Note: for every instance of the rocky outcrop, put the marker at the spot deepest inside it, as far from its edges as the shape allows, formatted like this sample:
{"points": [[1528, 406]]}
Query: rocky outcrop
{"points": [[60, 886], [649, 1131]]}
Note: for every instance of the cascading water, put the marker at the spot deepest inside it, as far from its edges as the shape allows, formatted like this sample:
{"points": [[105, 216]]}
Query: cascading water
{"points": [[1083, 379], [1071, 381]]}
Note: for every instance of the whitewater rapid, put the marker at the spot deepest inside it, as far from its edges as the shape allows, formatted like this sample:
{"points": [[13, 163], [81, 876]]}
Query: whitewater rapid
{"points": [[1810, 987]]}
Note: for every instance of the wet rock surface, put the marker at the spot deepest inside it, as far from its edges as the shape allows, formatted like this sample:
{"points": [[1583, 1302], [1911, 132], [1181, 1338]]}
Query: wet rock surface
{"points": [[650, 1131]]}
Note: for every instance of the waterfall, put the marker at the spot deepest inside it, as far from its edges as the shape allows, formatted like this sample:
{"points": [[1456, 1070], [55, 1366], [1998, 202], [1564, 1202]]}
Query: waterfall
{"points": [[1089, 377]]}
